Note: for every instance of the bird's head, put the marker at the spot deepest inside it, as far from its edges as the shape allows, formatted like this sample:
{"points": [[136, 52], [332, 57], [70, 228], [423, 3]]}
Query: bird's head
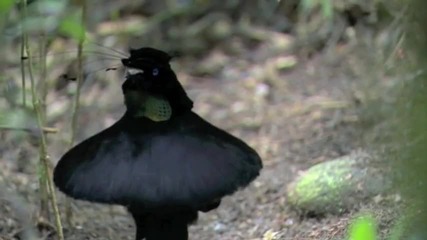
{"points": [[151, 87]]}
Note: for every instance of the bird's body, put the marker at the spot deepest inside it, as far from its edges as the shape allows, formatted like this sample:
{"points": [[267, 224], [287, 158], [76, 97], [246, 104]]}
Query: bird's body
{"points": [[160, 160]]}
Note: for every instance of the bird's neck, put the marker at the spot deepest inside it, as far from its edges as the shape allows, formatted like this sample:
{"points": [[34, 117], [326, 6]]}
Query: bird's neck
{"points": [[155, 108]]}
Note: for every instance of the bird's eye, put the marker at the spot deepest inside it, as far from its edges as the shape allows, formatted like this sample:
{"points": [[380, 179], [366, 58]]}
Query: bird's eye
{"points": [[155, 72]]}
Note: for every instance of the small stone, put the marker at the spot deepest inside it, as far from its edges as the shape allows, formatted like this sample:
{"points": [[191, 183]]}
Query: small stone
{"points": [[219, 227], [289, 222], [262, 90]]}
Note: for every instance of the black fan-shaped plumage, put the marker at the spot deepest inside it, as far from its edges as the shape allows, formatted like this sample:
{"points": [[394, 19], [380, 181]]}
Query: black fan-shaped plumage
{"points": [[164, 171]]}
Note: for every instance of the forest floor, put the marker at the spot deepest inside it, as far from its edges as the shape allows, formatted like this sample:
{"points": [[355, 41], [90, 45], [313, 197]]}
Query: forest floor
{"points": [[294, 118]]}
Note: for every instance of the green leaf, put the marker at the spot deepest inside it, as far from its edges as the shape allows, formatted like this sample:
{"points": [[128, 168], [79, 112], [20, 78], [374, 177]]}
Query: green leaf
{"points": [[307, 5], [73, 27], [363, 228], [327, 8], [6, 5]]}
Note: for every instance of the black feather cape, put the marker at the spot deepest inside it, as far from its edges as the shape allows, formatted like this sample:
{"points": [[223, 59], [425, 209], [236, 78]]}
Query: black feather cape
{"points": [[182, 162]]}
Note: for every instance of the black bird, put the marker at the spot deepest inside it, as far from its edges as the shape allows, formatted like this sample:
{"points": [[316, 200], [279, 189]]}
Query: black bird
{"points": [[160, 160]]}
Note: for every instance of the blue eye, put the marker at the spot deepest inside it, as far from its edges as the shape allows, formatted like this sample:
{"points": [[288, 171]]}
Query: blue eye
{"points": [[155, 72]]}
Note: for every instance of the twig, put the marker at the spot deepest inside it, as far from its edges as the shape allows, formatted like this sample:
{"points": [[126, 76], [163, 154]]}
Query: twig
{"points": [[44, 157], [29, 130], [43, 86], [42, 93], [23, 56]]}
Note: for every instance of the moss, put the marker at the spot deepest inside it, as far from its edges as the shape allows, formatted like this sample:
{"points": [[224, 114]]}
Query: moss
{"points": [[335, 185]]}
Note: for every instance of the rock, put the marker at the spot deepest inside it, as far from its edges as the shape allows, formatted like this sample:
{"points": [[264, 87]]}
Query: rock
{"points": [[337, 185]]}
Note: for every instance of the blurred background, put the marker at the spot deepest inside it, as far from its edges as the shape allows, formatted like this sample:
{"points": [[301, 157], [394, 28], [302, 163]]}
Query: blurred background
{"points": [[334, 84]]}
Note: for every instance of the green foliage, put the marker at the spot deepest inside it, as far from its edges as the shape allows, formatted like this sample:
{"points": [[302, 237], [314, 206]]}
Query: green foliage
{"points": [[6, 6], [48, 17], [325, 5], [363, 228], [43, 16], [73, 27]]}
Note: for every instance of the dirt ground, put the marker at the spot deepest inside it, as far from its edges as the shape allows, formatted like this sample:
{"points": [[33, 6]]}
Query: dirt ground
{"points": [[295, 118]]}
